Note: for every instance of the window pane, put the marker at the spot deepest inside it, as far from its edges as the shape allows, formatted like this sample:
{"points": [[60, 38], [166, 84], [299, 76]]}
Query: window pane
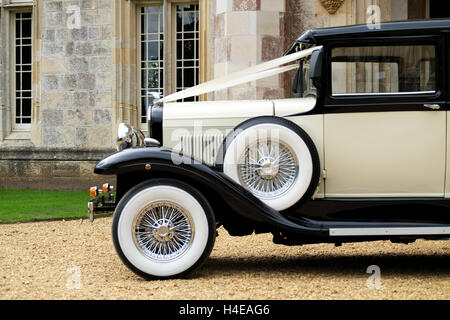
{"points": [[189, 50], [153, 48], [383, 69], [26, 28], [18, 26], [189, 21], [18, 108], [26, 107], [179, 50], [26, 54], [179, 78], [144, 105], [26, 81], [150, 79], [189, 77], [18, 56], [18, 81], [179, 21]]}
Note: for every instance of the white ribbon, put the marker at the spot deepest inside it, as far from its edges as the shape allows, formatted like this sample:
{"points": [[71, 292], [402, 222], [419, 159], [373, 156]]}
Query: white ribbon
{"points": [[263, 70]]}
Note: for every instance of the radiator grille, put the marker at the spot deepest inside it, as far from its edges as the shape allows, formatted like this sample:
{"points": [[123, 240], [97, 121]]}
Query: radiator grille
{"points": [[202, 147]]}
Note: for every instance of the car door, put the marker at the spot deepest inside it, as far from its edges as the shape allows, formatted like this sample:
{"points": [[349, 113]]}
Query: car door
{"points": [[447, 179], [385, 120]]}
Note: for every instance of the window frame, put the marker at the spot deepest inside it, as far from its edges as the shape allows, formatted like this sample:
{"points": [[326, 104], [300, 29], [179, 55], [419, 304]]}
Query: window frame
{"points": [[373, 59], [139, 7], [169, 59], [15, 127], [436, 40]]}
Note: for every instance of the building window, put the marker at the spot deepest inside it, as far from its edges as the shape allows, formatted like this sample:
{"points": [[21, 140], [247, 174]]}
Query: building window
{"points": [[169, 50], [152, 54], [22, 70], [187, 39]]}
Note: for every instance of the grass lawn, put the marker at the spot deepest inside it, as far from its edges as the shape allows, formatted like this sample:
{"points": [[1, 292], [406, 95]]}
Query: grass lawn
{"points": [[32, 205]]}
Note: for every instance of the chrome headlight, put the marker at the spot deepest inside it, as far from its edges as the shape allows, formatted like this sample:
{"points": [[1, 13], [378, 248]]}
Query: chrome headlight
{"points": [[129, 137]]}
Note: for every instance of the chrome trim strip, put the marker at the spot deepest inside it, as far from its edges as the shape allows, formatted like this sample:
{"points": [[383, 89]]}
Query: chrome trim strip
{"points": [[389, 231], [382, 94]]}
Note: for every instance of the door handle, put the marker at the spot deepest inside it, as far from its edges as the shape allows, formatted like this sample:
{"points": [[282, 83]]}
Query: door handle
{"points": [[432, 106]]}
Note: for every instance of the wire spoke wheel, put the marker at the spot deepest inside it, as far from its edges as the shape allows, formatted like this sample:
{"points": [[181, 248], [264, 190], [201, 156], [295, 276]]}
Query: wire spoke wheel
{"points": [[163, 231], [268, 168]]}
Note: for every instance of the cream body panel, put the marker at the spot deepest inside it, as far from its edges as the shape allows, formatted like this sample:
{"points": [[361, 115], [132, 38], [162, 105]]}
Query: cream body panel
{"points": [[220, 117], [211, 117], [385, 154], [217, 109], [285, 107], [313, 126], [447, 171]]}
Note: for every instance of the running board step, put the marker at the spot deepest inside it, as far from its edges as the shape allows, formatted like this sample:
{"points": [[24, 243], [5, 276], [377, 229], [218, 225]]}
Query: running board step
{"points": [[337, 232]]}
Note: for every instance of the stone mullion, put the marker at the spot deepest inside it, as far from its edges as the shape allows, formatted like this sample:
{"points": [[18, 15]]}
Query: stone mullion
{"points": [[36, 85], [124, 59], [3, 73], [204, 41]]}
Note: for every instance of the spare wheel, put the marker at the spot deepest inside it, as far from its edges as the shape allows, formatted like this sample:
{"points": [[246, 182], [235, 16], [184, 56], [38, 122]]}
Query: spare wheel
{"points": [[274, 159]]}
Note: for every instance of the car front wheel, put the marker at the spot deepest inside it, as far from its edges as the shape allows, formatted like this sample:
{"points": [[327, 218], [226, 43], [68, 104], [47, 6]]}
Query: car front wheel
{"points": [[163, 229]]}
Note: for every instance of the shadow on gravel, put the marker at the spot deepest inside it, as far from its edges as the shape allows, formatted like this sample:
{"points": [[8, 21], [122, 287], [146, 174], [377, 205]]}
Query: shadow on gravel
{"points": [[331, 265]]}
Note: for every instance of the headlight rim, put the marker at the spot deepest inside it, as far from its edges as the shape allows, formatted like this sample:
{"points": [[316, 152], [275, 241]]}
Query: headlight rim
{"points": [[129, 137]]}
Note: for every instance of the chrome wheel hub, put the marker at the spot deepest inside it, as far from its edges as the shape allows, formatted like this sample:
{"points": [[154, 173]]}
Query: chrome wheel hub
{"points": [[163, 231], [268, 169]]}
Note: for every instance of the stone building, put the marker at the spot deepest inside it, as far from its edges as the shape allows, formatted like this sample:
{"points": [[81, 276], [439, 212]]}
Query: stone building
{"points": [[72, 70]]}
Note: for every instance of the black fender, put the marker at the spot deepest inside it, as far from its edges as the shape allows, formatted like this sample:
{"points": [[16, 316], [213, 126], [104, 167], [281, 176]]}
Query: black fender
{"points": [[160, 159]]}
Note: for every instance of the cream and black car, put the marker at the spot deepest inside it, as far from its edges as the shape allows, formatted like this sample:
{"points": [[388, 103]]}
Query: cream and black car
{"points": [[358, 153]]}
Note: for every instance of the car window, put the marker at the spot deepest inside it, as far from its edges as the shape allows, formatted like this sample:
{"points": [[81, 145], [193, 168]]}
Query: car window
{"points": [[383, 69]]}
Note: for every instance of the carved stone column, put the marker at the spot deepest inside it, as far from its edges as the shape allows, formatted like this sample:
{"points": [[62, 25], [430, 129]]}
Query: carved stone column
{"points": [[124, 63]]}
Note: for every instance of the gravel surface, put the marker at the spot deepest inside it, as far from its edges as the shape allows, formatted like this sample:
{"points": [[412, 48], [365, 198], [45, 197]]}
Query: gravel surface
{"points": [[76, 260]]}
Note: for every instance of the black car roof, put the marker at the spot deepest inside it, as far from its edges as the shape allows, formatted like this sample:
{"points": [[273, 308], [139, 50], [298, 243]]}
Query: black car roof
{"points": [[410, 27]]}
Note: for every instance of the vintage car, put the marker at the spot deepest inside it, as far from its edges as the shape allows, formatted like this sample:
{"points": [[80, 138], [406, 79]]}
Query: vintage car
{"points": [[358, 153]]}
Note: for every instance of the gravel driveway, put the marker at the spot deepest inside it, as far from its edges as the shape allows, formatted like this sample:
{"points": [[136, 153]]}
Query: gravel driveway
{"points": [[76, 260]]}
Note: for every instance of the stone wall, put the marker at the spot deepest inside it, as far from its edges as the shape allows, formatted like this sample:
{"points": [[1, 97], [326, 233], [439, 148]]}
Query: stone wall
{"points": [[76, 75], [50, 169], [248, 32], [73, 79]]}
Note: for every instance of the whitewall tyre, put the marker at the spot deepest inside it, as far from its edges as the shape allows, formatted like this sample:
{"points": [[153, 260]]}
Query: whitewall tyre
{"points": [[163, 228], [274, 159]]}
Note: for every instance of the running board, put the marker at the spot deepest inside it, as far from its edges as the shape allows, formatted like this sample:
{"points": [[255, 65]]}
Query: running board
{"points": [[336, 232]]}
